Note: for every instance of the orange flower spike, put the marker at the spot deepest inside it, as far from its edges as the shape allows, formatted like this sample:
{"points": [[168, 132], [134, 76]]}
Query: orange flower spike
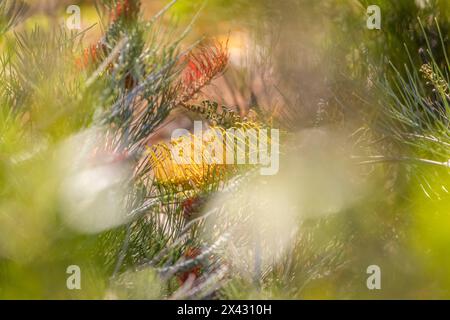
{"points": [[190, 206], [79, 63], [192, 74], [191, 253], [82, 62], [94, 54], [195, 69], [90, 56], [125, 8], [203, 65], [116, 12]]}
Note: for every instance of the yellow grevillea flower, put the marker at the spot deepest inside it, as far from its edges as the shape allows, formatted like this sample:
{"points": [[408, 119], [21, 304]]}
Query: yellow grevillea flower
{"points": [[196, 160]]}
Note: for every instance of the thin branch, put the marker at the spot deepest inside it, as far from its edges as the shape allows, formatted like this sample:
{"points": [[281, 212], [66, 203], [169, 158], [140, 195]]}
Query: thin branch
{"points": [[382, 159]]}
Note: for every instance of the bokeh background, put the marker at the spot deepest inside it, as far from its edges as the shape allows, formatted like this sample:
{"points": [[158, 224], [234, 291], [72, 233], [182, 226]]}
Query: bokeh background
{"points": [[364, 166]]}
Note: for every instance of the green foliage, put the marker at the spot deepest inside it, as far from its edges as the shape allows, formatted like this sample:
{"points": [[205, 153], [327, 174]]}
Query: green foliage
{"points": [[364, 176]]}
